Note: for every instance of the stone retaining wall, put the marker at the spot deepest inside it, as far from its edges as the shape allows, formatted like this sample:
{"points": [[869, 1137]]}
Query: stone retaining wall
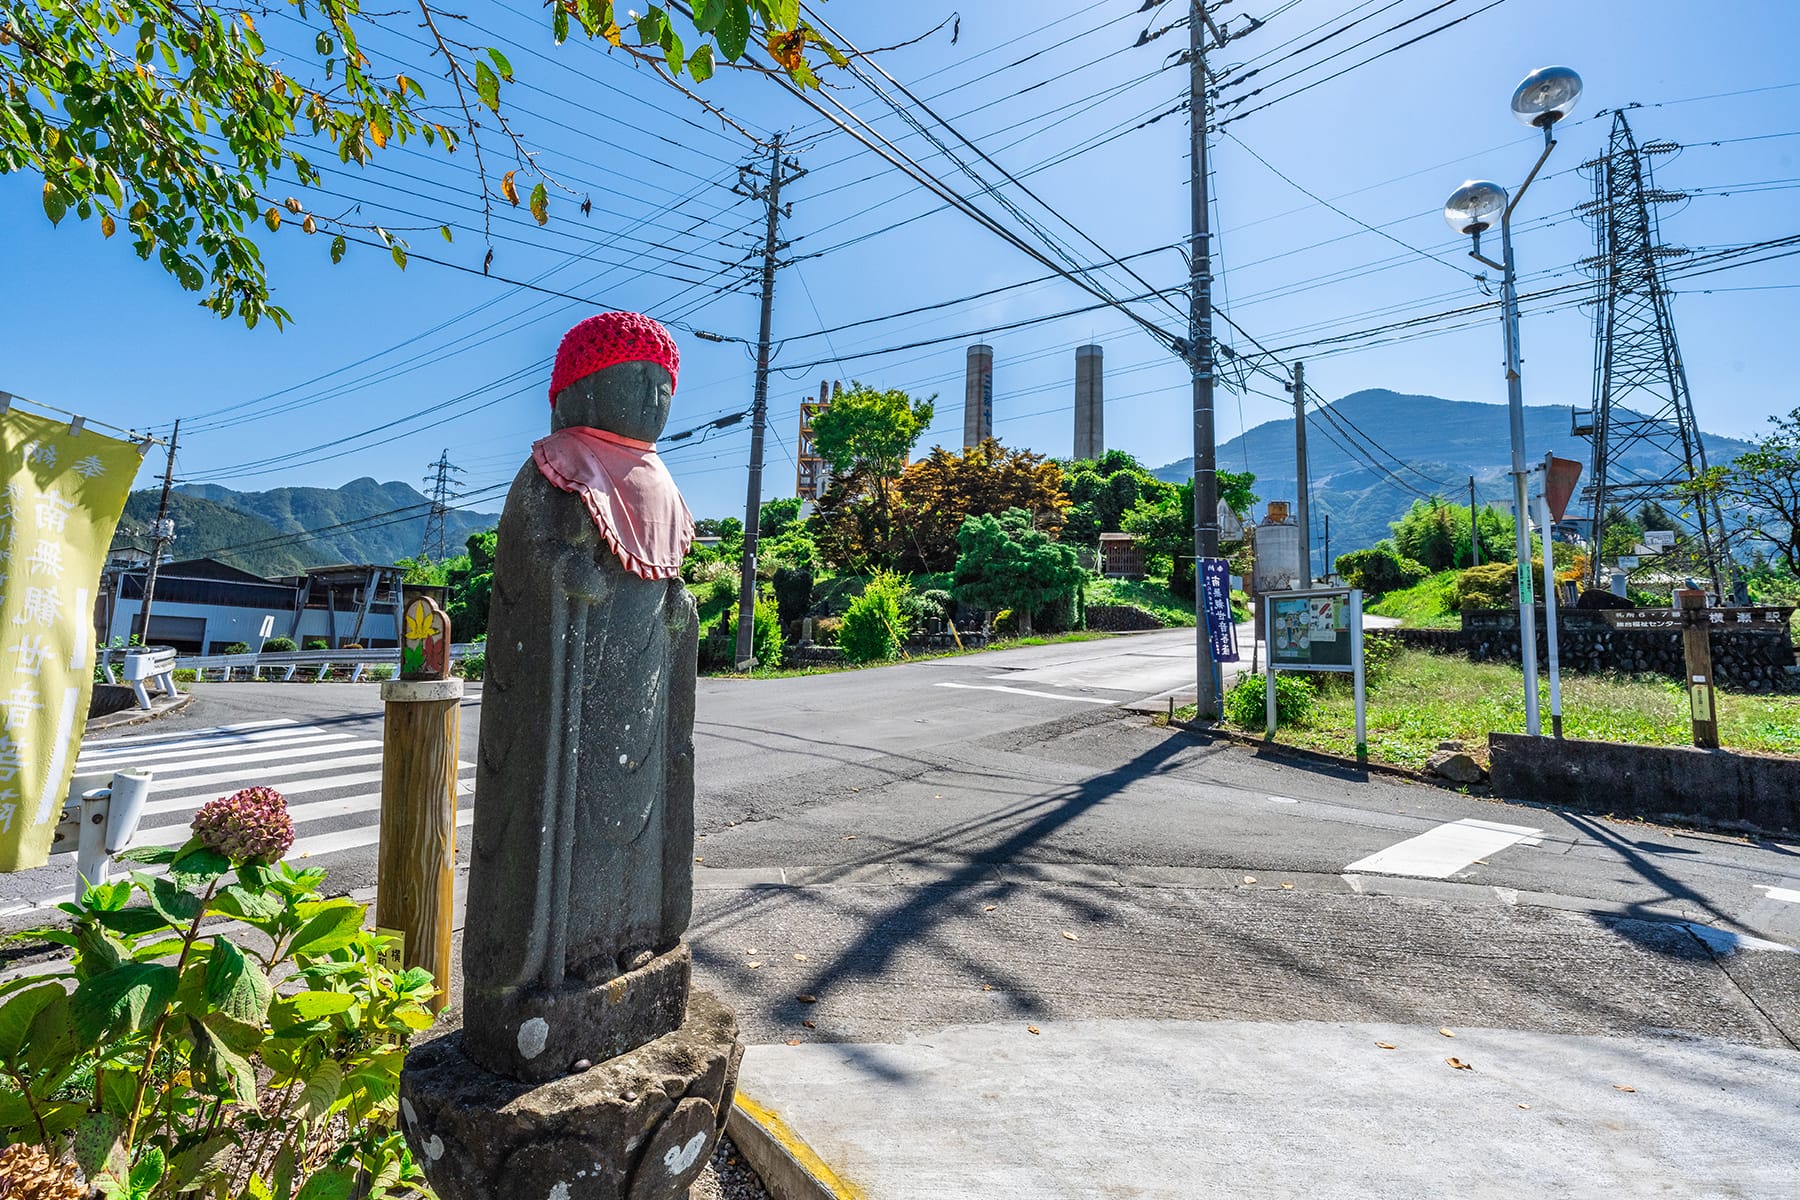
{"points": [[1750, 651], [1716, 787], [1120, 618]]}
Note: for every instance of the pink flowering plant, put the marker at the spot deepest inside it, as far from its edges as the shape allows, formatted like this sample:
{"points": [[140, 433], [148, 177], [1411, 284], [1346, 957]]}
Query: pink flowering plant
{"points": [[223, 1028]]}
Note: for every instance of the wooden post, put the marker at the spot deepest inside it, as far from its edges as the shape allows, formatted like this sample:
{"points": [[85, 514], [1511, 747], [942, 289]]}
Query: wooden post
{"points": [[1696, 645], [415, 888]]}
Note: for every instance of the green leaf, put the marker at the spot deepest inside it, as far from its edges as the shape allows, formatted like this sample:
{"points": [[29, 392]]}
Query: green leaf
{"points": [[445, 230], [55, 207], [156, 856], [559, 25], [500, 64], [106, 897], [128, 997], [650, 26], [708, 14], [96, 1144], [399, 253], [248, 904], [323, 44], [235, 985], [320, 1092], [487, 86], [330, 925], [333, 1183], [701, 64], [132, 922], [337, 248], [148, 1172], [540, 203], [51, 1042], [224, 1064], [197, 865], [19, 1011], [734, 29], [672, 51], [205, 1162], [174, 905], [310, 1006]]}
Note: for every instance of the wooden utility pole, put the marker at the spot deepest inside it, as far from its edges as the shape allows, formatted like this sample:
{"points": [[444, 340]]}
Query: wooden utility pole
{"points": [[1474, 528], [1696, 646], [161, 534], [415, 892]]}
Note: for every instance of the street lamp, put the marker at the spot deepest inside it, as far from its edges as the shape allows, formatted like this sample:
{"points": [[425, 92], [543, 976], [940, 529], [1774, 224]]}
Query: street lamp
{"points": [[1546, 96]]}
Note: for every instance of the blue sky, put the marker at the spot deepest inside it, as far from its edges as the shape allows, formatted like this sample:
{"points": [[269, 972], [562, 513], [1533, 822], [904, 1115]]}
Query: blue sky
{"points": [[382, 369]]}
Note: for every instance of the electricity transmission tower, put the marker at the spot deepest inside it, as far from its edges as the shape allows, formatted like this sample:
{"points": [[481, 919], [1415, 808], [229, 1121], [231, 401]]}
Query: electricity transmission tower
{"points": [[1641, 401], [445, 489]]}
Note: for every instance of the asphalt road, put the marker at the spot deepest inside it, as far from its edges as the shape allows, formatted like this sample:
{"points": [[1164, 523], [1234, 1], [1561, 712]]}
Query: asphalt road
{"points": [[875, 814]]}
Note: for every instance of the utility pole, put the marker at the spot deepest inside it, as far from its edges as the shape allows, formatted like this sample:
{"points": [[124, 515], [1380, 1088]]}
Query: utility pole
{"points": [[771, 194], [1200, 352], [1299, 390], [1474, 528], [161, 534], [1327, 547]]}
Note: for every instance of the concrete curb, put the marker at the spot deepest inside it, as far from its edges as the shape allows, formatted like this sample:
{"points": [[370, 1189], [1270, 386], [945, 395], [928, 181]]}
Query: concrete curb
{"points": [[137, 716], [789, 1168]]}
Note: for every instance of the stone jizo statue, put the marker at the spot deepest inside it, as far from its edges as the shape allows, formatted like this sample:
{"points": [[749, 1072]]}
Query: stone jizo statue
{"points": [[581, 884]]}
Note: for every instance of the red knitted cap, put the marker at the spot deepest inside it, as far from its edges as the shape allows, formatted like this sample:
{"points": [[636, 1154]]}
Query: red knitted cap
{"points": [[608, 339]]}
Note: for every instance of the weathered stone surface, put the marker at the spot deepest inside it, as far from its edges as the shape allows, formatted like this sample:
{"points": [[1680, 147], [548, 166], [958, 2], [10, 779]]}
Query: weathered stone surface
{"points": [[582, 851], [622, 1130], [1455, 766], [536, 1035], [1716, 787]]}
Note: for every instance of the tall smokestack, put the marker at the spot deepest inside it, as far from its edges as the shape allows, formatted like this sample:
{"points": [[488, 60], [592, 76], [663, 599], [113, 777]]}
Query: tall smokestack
{"points": [[978, 397], [1090, 402]]}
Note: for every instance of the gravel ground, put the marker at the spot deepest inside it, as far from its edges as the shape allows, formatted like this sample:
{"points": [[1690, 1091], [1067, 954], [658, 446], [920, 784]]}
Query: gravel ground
{"points": [[727, 1177]]}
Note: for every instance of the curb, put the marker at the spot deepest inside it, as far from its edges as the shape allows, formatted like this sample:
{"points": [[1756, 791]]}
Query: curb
{"points": [[789, 1168], [137, 716], [1279, 749]]}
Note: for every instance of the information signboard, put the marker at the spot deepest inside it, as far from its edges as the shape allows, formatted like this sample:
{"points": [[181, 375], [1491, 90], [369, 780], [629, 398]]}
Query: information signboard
{"points": [[1316, 630], [1310, 631], [1660, 539]]}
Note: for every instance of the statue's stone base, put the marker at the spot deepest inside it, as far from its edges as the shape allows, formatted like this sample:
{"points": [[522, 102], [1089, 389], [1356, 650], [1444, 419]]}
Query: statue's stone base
{"points": [[540, 1036], [637, 1127]]}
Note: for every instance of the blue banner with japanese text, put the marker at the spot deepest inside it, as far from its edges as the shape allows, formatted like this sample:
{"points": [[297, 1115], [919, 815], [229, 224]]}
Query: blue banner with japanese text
{"points": [[1215, 606]]}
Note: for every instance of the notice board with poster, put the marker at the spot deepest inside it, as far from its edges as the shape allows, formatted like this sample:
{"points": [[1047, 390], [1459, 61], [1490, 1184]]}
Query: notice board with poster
{"points": [[1316, 630], [1310, 631]]}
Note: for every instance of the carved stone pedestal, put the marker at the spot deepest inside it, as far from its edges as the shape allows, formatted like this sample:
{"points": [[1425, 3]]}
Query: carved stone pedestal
{"points": [[637, 1127]]}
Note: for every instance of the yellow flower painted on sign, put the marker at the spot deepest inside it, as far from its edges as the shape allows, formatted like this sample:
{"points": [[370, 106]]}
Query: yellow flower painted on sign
{"points": [[420, 623]]}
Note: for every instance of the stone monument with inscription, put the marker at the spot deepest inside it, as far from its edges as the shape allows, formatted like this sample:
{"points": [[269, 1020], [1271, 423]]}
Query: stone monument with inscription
{"points": [[586, 1068]]}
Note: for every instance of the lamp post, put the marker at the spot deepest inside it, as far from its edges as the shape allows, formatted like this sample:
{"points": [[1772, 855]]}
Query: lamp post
{"points": [[1545, 97]]}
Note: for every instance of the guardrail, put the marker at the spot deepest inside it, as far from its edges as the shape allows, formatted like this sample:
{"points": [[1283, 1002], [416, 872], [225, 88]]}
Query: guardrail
{"points": [[322, 661]]}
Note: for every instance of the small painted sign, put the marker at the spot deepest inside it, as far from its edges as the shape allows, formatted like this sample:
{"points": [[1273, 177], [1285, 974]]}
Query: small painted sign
{"points": [[1628, 562], [1661, 539], [1215, 603], [425, 641]]}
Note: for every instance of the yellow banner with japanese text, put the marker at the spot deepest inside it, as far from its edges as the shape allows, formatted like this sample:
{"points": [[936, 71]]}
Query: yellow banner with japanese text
{"points": [[64, 494]]}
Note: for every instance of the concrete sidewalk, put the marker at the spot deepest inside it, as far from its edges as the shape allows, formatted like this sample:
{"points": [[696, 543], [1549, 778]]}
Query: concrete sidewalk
{"points": [[1180, 1109]]}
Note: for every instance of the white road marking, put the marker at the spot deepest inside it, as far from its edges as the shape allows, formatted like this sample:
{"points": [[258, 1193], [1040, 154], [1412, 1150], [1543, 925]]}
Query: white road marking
{"points": [[189, 803], [1282, 800], [1442, 852], [1777, 893], [158, 756], [1723, 941], [244, 771], [215, 733], [987, 687], [351, 839]]}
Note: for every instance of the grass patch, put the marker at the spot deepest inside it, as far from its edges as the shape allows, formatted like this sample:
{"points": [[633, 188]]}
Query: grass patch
{"points": [[1427, 698], [1428, 604], [1151, 595]]}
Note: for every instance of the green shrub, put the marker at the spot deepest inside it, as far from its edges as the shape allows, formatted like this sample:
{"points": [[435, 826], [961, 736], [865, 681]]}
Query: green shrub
{"points": [[380, 673], [317, 644], [765, 632], [258, 1058], [1380, 568], [236, 648], [1246, 704], [874, 626], [825, 630], [1491, 585], [279, 645], [475, 665]]}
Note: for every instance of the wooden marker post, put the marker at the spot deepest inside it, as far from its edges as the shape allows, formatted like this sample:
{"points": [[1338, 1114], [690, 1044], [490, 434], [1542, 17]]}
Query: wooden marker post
{"points": [[414, 891], [1696, 645]]}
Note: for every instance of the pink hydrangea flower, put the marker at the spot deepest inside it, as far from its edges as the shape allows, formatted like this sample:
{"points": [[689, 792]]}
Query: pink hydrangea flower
{"points": [[252, 825]]}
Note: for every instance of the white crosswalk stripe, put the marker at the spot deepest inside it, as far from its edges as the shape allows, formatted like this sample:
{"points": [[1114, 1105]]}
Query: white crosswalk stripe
{"points": [[332, 780], [1441, 852]]}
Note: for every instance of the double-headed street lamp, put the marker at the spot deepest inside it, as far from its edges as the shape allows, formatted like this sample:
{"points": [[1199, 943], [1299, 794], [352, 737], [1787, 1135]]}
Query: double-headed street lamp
{"points": [[1545, 97]]}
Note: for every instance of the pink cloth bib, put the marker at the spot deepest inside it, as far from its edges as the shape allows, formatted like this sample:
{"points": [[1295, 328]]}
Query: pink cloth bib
{"points": [[629, 493]]}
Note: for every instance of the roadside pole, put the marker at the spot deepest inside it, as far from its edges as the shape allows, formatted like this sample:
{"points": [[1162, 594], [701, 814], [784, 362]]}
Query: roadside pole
{"points": [[415, 892], [1696, 645], [161, 533], [1301, 473], [1556, 728], [1474, 528], [1207, 705]]}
